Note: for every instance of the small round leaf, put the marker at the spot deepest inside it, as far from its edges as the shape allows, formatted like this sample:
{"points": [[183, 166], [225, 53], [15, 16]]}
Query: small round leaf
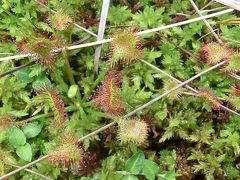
{"points": [[135, 163], [72, 91], [25, 152], [150, 169], [16, 137], [31, 130]]}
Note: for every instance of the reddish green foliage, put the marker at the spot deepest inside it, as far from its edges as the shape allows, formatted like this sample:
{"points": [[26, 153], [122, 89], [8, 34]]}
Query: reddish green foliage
{"points": [[214, 52], [48, 94], [233, 64], [210, 98], [60, 20], [107, 97], [125, 48], [234, 97], [235, 90], [132, 130], [175, 94], [67, 152], [41, 47]]}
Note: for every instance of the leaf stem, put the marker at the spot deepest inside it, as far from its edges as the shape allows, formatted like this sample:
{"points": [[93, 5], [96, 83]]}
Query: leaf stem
{"points": [[68, 69]]}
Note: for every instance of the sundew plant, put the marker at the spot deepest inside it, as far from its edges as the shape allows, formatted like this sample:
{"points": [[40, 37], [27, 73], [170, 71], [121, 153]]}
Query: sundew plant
{"points": [[120, 90]]}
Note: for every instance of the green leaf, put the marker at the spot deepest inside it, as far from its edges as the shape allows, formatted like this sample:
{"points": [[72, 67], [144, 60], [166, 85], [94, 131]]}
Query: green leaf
{"points": [[25, 152], [72, 91], [149, 18], [16, 137], [19, 113], [150, 169], [23, 75], [31, 130], [121, 12], [41, 82], [135, 163], [161, 115], [130, 177]]}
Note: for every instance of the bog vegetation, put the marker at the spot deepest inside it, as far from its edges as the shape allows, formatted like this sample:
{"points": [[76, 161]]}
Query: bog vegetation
{"points": [[54, 97]]}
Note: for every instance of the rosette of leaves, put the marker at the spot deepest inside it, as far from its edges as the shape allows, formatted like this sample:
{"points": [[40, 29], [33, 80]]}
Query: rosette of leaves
{"points": [[108, 95], [234, 97], [214, 52], [132, 130], [209, 97], [41, 47], [61, 20], [168, 85], [233, 64], [66, 152], [46, 94], [124, 48]]}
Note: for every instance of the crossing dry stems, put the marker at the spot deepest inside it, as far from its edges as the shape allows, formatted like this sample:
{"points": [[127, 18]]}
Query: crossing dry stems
{"points": [[126, 116]]}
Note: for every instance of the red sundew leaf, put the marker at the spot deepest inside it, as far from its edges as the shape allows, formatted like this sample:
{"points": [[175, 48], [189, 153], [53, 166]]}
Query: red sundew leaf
{"points": [[60, 20], [214, 52], [46, 93], [60, 114], [67, 152], [210, 98], [107, 97], [125, 48], [41, 47], [233, 64], [235, 90], [168, 85], [132, 130]]}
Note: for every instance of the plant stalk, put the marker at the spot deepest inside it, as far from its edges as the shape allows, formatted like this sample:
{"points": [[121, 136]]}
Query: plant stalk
{"points": [[68, 69]]}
